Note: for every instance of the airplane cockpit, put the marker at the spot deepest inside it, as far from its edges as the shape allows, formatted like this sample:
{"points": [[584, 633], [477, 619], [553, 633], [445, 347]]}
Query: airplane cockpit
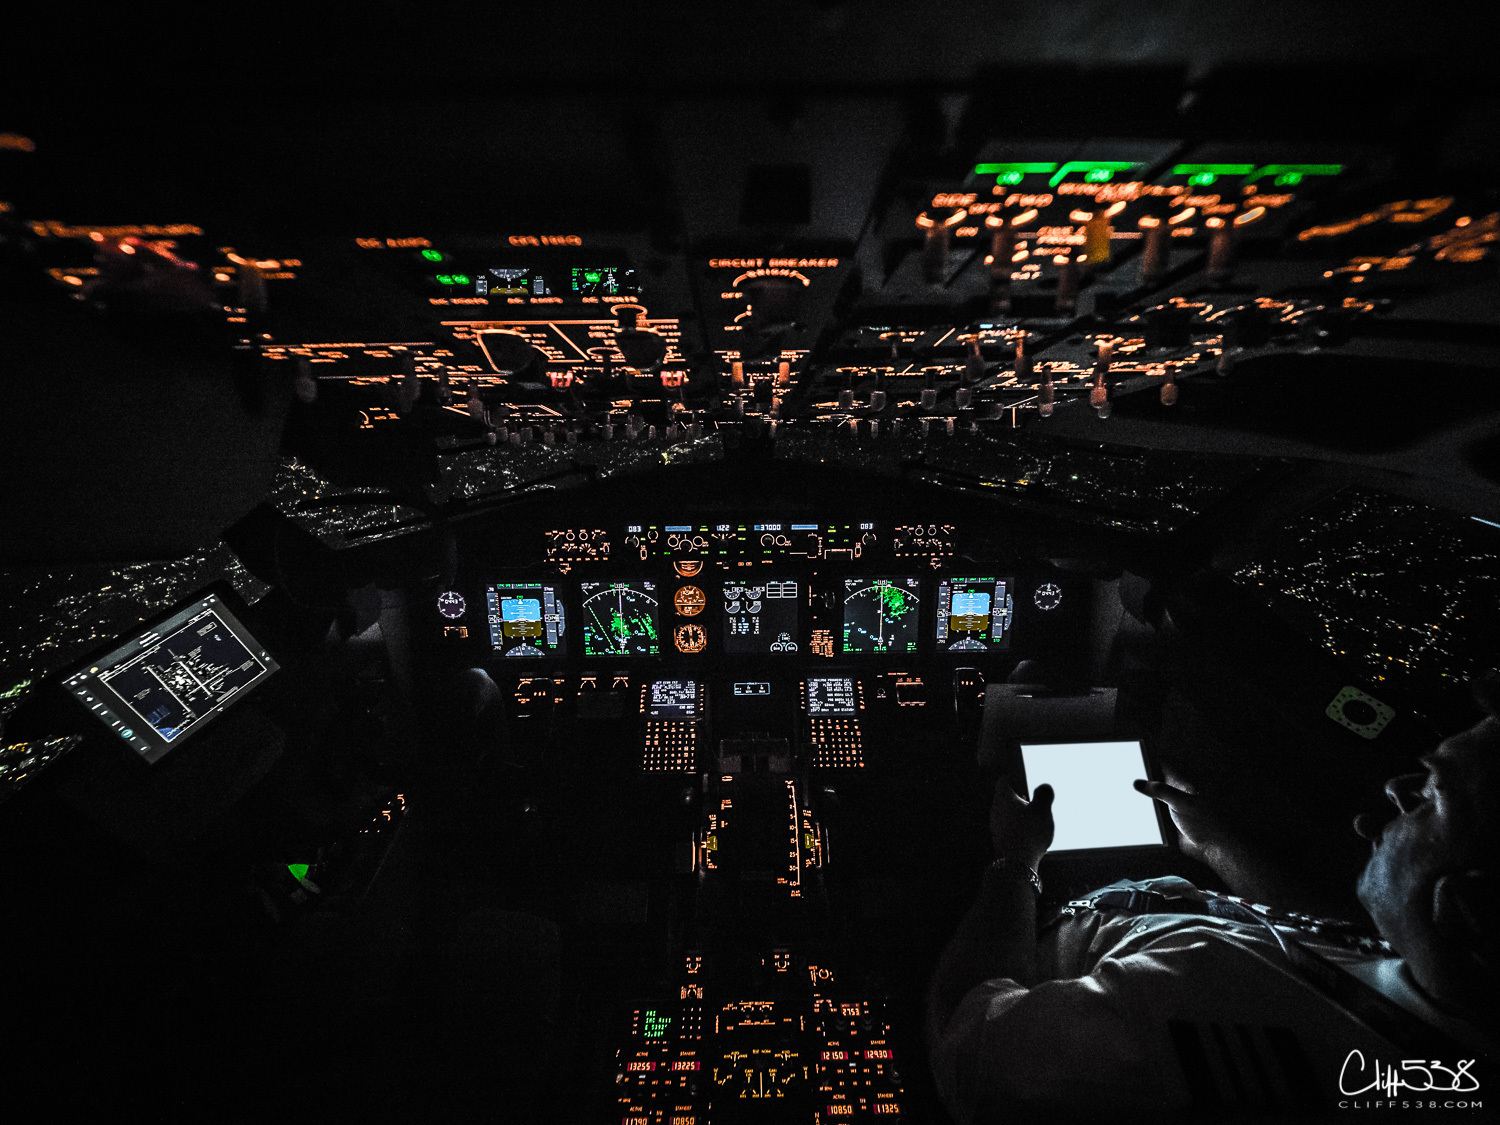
{"points": [[517, 598]]}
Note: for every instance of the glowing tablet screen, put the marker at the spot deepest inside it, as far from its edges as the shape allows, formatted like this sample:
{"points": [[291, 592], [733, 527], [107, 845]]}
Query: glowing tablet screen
{"points": [[1095, 805]]}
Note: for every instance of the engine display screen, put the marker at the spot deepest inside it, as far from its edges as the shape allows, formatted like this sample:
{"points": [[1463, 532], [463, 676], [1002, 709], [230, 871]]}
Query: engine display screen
{"points": [[672, 699], [881, 614], [974, 614], [621, 619], [760, 615], [831, 695], [526, 620], [162, 686]]}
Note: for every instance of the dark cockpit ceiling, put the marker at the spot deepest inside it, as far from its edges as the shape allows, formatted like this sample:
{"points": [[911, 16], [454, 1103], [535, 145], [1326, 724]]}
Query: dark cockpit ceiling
{"points": [[542, 346]]}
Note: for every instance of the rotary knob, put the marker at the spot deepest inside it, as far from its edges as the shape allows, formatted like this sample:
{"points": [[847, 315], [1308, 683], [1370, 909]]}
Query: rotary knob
{"points": [[937, 226], [1168, 327], [511, 354], [774, 302], [1248, 326], [642, 350]]}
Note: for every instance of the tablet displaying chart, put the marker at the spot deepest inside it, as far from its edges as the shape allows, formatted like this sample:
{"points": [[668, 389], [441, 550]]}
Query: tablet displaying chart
{"points": [[166, 683]]}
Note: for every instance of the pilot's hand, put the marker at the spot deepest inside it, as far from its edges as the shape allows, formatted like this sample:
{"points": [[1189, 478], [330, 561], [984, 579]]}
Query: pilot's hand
{"points": [[1021, 829], [1201, 826]]}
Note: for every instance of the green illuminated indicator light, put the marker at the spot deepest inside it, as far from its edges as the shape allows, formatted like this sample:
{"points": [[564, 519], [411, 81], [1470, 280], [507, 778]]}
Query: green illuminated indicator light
{"points": [[433, 255], [1013, 169], [1293, 173], [298, 870], [593, 275], [1012, 173], [1212, 170], [453, 279], [1094, 171]]}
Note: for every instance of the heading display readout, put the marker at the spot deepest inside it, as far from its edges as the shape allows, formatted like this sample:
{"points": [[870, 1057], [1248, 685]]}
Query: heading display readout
{"points": [[526, 620]]}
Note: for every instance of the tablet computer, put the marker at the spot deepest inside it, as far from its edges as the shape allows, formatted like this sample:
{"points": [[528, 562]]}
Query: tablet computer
{"points": [[1096, 806]]}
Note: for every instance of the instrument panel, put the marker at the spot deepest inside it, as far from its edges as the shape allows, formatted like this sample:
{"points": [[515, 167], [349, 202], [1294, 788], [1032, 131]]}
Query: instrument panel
{"points": [[781, 592]]}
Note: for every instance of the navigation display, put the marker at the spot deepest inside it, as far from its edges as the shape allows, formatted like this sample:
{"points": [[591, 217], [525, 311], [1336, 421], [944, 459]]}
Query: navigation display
{"points": [[526, 620], [620, 619], [831, 695], [162, 686], [607, 281], [761, 615], [673, 699], [881, 614], [974, 614]]}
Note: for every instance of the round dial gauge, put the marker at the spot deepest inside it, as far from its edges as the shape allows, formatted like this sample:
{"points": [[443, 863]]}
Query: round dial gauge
{"points": [[689, 601], [1048, 596], [451, 604], [690, 638], [688, 567]]}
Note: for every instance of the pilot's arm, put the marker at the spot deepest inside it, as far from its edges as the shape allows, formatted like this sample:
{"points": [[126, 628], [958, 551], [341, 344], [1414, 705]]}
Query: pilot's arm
{"points": [[997, 937]]}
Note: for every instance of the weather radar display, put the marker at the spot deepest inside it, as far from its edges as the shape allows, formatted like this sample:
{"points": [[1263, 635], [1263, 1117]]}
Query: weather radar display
{"points": [[881, 614], [974, 614], [526, 620], [620, 619]]}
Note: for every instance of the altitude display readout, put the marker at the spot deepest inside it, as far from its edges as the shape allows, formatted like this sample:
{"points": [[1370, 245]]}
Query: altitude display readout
{"points": [[881, 614], [974, 614], [760, 615], [526, 620], [620, 619]]}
